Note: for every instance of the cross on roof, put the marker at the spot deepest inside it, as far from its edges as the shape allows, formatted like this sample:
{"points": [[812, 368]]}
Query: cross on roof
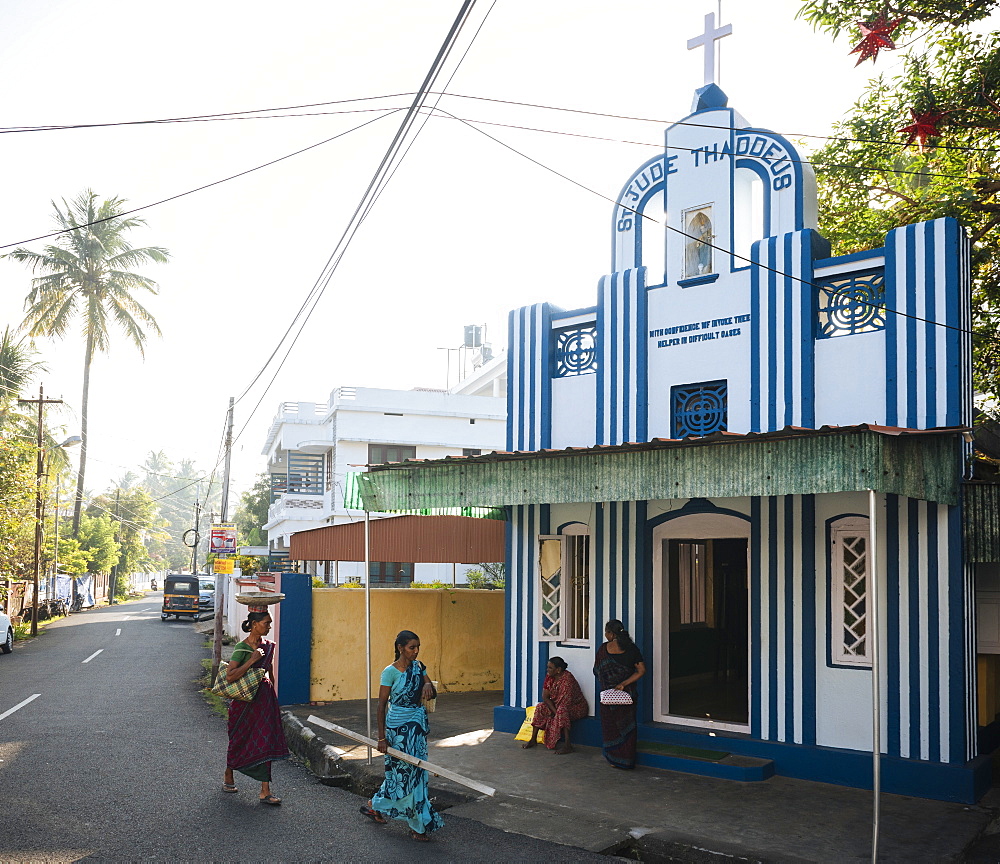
{"points": [[708, 40]]}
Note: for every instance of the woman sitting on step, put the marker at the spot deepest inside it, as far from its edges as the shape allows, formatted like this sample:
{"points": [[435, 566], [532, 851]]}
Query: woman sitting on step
{"points": [[562, 703]]}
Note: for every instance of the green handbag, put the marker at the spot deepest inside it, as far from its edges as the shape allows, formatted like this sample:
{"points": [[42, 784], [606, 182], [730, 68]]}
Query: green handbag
{"points": [[243, 688]]}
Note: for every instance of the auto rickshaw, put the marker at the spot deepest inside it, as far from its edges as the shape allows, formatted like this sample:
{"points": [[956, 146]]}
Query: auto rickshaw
{"points": [[180, 597]]}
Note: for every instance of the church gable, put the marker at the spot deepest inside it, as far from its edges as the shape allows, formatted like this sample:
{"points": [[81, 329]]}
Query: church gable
{"points": [[724, 310]]}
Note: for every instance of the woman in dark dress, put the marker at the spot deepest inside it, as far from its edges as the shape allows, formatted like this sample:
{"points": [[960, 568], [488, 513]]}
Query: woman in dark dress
{"points": [[618, 666], [256, 737]]}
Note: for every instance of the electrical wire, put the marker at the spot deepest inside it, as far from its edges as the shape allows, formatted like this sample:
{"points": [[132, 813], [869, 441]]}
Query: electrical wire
{"points": [[723, 127], [237, 115], [382, 174], [739, 257], [129, 212], [825, 168]]}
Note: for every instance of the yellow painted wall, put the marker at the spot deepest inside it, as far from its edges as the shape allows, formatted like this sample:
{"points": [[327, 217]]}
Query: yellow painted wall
{"points": [[461, 638]]}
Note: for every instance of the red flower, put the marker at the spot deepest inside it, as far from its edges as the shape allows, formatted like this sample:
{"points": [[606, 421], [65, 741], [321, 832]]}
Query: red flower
{"points": [[876, 36]]}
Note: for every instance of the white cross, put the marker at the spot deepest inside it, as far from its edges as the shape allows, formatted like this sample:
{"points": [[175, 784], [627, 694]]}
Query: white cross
{"points": [[708, 40]]}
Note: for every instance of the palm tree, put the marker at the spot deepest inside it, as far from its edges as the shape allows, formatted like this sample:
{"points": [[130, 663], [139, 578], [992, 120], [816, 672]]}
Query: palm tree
{"points": [[17, 368], [87, 275]]}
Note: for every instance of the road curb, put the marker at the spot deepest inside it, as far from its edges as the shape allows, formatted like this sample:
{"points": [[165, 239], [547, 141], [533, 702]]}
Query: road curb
{"points": [[322, 760]]}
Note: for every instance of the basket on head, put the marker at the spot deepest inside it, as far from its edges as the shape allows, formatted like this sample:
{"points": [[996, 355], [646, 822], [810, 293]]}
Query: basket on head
{"points": [[258, 601]]}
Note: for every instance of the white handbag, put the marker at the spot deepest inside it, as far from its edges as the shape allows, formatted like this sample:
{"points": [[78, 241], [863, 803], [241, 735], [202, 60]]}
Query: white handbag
{"points": [[615, 697]]}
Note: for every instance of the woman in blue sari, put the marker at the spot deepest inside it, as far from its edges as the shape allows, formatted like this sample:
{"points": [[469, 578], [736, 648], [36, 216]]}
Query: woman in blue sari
{"points": [[402, 724]]}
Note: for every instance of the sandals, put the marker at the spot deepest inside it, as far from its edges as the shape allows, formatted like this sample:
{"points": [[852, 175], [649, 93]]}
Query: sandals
{"points": [[270, 799], [423, 838], [229, 787], [374, 815]]}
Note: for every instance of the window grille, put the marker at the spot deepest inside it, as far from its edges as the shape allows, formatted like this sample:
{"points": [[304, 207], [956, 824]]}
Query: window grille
{"points": [[305, 473], [279, 486], [564, 586], [699, 409], [851, 303], [550, 588], [575, 351], [849, 592], [379, 454]]}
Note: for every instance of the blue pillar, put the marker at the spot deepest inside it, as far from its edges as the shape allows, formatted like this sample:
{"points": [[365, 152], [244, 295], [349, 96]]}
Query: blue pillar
{"points": [[295, 655]]}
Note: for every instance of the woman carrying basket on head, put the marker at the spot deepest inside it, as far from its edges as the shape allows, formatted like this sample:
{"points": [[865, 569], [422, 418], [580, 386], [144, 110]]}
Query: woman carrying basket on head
{"points": [[402, 724], [256, 737]]}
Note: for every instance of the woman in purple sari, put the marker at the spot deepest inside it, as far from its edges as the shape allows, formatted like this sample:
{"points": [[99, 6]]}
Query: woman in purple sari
{"points": [[256, 737], [618, 666]]}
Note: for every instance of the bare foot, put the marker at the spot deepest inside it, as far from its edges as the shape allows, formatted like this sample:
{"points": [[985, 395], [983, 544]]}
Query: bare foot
{"points": [[527, 745], [562, 751]]}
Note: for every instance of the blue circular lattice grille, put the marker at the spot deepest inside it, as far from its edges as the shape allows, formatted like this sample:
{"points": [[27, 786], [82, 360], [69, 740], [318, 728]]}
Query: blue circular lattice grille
{"points": [[699, 409]]}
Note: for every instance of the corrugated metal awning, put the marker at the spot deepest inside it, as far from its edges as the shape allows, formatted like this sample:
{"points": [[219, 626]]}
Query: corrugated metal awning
{"points": [[924, 464], [418, 539], [981, 522]]}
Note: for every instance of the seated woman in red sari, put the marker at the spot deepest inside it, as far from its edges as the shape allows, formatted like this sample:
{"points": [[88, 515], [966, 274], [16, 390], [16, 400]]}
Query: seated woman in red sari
{"points": [[562, 703]]}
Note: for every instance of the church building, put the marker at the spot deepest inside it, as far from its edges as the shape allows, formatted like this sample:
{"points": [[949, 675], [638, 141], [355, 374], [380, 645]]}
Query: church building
{"points": [[755, 455]]}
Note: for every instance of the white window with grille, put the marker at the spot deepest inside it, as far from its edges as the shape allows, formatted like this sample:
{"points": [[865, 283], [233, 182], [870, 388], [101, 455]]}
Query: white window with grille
{"points": [[850, 541], [564, 586]]}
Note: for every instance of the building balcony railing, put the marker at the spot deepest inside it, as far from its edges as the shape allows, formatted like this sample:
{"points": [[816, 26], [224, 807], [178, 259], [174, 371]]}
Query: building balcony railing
{"points": [[297, 507]]}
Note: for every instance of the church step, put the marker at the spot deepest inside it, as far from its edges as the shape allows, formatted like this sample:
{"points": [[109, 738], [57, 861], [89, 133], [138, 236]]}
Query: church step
{"points": [[708, 763]]}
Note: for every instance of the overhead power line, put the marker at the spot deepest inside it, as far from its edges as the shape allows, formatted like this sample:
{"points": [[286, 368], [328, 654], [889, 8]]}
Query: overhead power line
{"points": [[731, 252], [394, 153], [206, 185]]}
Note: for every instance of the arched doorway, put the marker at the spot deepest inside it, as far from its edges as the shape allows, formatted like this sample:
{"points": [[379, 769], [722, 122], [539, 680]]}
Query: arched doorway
{"points": [[701, 621]]}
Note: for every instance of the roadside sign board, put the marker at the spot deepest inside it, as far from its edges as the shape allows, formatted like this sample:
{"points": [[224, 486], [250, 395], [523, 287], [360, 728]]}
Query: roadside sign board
{"points": [[223, 565], [223, 539]]}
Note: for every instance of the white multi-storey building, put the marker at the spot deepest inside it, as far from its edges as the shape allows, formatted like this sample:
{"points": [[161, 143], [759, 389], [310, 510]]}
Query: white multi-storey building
{"points": [[314, 449]]}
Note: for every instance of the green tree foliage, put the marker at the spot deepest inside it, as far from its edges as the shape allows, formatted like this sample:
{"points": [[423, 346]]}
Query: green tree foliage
{"points": [[97, 538], [871, 181], [73, 558], [136, 518], [251, 515], [175, 489], [87, 279], [17, 507]]}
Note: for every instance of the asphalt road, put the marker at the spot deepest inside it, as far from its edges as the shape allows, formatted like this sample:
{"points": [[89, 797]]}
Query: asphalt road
{"points": [[109, 753]]}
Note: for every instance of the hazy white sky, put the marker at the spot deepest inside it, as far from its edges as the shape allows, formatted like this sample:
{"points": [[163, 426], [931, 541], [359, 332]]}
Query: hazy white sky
{"points": [[465, 231]]}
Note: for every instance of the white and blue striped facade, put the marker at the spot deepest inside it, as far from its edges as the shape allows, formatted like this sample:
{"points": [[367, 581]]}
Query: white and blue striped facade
{"points": [[760, 323]]}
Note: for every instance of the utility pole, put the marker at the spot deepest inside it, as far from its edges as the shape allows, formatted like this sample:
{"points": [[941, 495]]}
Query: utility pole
{"points": [[118, 534], [197, 536], [41, 402], [220, 584]]}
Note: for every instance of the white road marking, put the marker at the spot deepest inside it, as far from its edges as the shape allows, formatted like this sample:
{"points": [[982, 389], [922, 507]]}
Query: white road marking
{"points": [[92, 656], [126, 618], [20, 705], [118, 632]]}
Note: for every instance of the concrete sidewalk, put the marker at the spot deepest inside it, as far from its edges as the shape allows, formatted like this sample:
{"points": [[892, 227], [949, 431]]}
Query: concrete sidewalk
{"points": [[579, 800]]}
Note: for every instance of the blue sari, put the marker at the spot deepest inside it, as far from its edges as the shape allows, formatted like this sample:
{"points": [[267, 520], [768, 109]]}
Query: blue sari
{"points": [[403, 793]]}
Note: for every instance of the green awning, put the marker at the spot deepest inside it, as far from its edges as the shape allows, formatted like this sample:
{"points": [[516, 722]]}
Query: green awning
{"points": [[981, 522], [353, 500], [913, 463]]}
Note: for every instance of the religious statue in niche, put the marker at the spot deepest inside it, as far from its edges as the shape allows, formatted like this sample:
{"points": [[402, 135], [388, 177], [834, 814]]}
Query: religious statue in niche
{"points": [[697, 246]]}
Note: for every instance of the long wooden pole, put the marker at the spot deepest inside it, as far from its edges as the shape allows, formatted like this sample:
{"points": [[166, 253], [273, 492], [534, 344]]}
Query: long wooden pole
{"points": [[368, 631], [430, 767], [875, 636]]}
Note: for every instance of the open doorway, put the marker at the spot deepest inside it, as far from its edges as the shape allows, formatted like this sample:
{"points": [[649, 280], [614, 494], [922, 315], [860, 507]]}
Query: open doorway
{"points": [[701, 626], [708, 634]]}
